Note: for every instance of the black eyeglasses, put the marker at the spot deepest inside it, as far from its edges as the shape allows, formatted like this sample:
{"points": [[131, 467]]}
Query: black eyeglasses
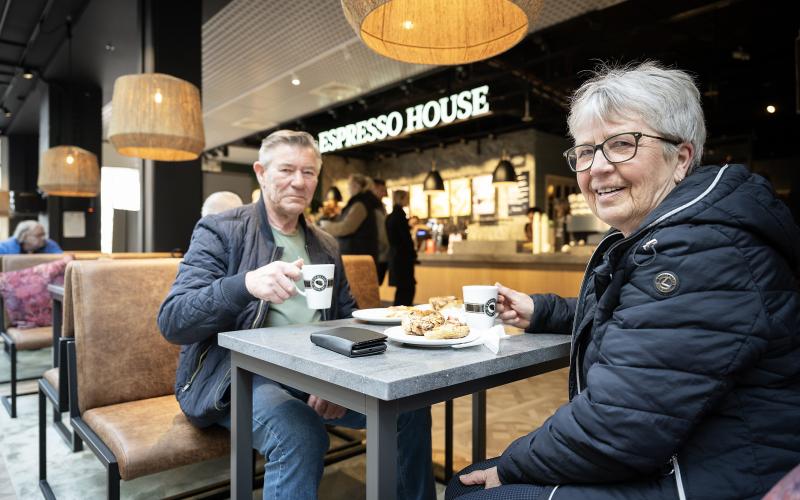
{"points": [[617, 149]]}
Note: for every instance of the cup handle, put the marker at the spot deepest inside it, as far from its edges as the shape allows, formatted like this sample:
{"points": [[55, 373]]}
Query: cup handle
{"points": [[301, 292]]}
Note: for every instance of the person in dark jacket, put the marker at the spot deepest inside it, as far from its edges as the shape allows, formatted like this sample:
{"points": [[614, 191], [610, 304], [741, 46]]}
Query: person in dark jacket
{"points": [[29, 237], [356, 229], [402, 253], [240, 272], [685, 362]]}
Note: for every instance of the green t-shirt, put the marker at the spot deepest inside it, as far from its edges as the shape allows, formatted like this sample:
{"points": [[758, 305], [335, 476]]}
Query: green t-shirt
{"points": [[293, 310]]}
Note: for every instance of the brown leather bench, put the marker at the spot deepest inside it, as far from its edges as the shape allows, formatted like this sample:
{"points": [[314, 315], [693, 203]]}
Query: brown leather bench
{"points": [[122, 403], [16, 339]]}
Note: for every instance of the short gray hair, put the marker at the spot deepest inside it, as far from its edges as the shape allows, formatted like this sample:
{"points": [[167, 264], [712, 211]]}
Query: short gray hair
{"points": [[24, 227], [219, 202], [290, 138], [665, 99]]}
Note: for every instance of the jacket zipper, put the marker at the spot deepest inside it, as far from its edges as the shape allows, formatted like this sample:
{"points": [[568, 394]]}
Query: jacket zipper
{"points": [[197, 369], [620, 242], [678, 478]]}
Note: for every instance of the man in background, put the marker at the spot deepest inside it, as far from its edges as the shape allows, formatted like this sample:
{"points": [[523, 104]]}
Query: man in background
{"points": [[379, 190], [29, 237], [219, 202]]}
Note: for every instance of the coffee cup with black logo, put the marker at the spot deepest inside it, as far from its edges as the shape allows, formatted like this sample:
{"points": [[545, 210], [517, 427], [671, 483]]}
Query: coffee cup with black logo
{"points": [[318, 285], [480, 306]]}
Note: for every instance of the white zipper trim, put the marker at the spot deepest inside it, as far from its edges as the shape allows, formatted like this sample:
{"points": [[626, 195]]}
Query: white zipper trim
{"points": [[553, 493], [689, 204], [678, 478]]}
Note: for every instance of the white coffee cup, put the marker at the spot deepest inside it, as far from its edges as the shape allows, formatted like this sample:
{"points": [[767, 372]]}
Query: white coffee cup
{"points": [[480, 306], [318, 284]]}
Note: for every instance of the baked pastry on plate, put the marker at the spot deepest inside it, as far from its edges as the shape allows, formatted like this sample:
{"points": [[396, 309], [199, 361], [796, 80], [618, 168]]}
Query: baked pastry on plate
{"points": [[417, 322], [439, 303], [451, 329]]}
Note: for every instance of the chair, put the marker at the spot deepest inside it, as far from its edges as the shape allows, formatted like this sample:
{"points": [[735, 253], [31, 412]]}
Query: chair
{"points": [[15, 339], [363, 279], [122, 374]]}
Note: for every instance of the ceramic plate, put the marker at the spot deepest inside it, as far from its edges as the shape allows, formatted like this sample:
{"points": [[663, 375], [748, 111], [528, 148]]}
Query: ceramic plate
{"points": [[378, 315], [397, 334]]}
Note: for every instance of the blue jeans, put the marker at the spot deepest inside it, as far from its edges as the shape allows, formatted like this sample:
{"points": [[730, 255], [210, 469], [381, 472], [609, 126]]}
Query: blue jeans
{"points": [[293, 439]]}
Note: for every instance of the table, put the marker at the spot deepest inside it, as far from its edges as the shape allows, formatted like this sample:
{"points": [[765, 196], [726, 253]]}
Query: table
{"points": [[381, 387]]}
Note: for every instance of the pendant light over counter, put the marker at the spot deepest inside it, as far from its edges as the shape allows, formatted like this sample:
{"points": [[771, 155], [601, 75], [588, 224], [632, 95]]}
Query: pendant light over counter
{"points": [[441, 31], [69, 171], [433, 181], [504, 173], [156, 117]]}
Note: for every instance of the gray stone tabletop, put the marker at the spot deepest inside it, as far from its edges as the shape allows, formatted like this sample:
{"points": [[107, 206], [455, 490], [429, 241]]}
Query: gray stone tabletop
{"points": [[402, 370]]}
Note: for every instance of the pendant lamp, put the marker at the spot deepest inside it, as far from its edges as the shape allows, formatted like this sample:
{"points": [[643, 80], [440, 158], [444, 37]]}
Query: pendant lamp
{"points": [[504, 173], [69, 171], [433, 181], [156, 117], [441, 31]]}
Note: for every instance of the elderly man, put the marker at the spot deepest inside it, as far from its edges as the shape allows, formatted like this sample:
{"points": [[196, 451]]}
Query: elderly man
{"points": [[29, 237], [240, 273], [220, 201]]}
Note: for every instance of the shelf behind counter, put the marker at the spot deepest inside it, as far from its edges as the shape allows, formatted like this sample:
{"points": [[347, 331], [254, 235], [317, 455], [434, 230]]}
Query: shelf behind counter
{"points": [[443, 274]]}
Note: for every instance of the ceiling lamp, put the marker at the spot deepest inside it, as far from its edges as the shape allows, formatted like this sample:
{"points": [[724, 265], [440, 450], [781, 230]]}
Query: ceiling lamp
{"points": [[441, 31], [156, 117], [433, 181], [504, 173], [69, 171]]}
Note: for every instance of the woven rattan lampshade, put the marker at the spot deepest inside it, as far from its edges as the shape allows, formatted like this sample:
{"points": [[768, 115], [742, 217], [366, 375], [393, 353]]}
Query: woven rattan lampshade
{"points": [[441, 31], [156, 117], [69, 171]]}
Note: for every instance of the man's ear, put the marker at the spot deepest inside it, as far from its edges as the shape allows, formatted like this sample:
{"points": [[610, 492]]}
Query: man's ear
{"points": [[683, 161], [259, 169]]}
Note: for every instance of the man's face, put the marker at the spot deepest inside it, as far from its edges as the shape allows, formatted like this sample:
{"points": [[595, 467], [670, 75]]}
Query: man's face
{"points": [[380, 191], [33, 239], [289, 181]]}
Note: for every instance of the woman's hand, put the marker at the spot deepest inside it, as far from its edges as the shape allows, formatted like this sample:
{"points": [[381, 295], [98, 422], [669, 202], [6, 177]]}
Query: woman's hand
{"points": [[488, 478], [514, 308]]}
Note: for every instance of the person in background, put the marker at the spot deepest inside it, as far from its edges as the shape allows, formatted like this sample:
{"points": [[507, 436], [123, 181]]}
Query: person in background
{"points": [[356, 230], [379, 190], [529, 224], [685, 361], [29, 237], [402, 252], [240, 272], [219, 202]]}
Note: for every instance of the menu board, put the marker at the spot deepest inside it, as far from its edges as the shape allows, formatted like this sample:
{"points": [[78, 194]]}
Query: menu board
{"points": [[440, 202], [460, 197], [418, 204], [483, 202], [519, 195]]}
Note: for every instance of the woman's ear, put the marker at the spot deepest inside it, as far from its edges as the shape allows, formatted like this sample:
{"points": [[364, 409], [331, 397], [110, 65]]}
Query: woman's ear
{"points": [[683, 161]]}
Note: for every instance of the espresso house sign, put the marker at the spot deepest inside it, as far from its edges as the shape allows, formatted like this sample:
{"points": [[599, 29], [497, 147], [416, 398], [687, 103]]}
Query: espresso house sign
{"points": [[460, 106]]}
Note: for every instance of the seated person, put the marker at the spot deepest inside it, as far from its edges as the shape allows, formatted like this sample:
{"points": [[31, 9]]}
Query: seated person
{"points": [[29, 237], [240, 273], [220, 201], [529, 224], [685, 362]]}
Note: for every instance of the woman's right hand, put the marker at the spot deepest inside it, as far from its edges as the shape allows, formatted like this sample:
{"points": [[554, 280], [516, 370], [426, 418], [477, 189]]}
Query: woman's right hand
{"points": [[514, 308]]}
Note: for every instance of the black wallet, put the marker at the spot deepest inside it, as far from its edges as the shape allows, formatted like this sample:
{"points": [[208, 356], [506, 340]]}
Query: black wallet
{"points": [[350, 341]]}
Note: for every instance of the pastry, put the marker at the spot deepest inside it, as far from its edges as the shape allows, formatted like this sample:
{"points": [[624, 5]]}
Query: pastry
{"points": [[398, 311], [451, 329], [439, 303], [418, 322]]}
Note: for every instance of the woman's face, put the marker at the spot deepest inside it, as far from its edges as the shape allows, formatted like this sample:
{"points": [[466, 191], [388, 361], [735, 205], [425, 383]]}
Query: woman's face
{"points": [[623, 194]]}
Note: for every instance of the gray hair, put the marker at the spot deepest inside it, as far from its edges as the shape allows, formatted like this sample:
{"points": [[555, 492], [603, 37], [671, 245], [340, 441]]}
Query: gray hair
{"points": [[290, 138], [219, 202], [363, 182], [665, 99], [24, 227]]}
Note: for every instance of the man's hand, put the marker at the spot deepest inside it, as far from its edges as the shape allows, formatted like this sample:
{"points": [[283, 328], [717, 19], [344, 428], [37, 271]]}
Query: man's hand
{"points": [[514, 308], [275, 281], [487, 477], [326, 409]]}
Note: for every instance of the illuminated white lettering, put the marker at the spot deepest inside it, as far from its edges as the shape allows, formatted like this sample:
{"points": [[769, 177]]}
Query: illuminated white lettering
{"points": [[479, 104], [464, 105]]}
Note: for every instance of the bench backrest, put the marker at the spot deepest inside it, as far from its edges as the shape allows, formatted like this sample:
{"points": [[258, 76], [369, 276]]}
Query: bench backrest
{"points": [[121, 355]]}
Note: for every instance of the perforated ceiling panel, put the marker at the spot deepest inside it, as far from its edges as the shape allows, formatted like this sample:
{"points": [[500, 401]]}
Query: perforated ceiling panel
{"points": [[252, 49]]}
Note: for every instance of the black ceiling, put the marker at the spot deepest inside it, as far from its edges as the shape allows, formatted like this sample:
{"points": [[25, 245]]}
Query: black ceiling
{"points": [[742, 52]]}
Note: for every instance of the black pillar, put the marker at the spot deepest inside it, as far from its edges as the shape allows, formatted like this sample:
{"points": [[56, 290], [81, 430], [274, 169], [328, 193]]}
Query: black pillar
{"points": [[23, 170], [70, 114], [172, 191]]}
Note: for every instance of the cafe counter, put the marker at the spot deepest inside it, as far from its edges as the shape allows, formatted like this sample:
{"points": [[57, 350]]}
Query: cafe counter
{"points": [[444, 274]]}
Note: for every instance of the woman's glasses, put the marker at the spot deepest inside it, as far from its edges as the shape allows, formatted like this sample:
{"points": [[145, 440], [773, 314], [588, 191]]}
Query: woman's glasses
{"points": [[617, 149]]}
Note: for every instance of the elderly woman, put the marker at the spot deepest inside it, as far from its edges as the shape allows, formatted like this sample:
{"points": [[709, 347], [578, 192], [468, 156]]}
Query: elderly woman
{"points": [[29, 237], [685, 363], [356, 229]]}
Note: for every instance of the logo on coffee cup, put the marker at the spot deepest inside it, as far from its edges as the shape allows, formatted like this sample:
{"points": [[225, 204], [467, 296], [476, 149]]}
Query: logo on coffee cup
{"points": [[490, 307], [319, 283]]}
